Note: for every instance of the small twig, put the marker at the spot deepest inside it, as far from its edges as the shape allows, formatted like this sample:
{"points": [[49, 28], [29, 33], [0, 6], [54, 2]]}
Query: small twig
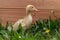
{"points": [[53, 13]]}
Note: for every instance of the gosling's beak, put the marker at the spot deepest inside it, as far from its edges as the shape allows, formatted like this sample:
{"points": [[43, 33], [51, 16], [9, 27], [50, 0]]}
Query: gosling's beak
{"points": [[35, 9]]}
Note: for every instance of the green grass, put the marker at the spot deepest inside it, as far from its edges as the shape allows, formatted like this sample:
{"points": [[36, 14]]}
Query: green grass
{"points": [[36, 32]]}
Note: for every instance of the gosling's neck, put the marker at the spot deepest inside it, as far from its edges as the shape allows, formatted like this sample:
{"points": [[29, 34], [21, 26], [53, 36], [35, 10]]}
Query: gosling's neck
{"points": [[28, 13]]}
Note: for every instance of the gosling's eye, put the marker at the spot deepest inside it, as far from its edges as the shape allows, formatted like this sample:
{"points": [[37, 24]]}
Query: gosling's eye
{"points": [[32, 7]]}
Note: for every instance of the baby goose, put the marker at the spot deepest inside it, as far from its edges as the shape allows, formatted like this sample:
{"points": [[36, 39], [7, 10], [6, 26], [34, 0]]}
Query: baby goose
{"points": [[27, 20]]}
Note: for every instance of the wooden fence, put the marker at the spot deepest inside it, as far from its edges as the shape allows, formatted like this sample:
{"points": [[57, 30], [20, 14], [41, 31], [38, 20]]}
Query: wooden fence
{"points": [[12, 10]]}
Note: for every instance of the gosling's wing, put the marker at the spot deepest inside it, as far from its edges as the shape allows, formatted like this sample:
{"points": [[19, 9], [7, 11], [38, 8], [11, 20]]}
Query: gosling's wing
{"points": [[16, 24]]}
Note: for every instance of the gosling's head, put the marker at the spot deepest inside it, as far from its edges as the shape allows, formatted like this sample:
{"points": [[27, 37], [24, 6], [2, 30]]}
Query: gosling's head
{"points": [[31, 8]]}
